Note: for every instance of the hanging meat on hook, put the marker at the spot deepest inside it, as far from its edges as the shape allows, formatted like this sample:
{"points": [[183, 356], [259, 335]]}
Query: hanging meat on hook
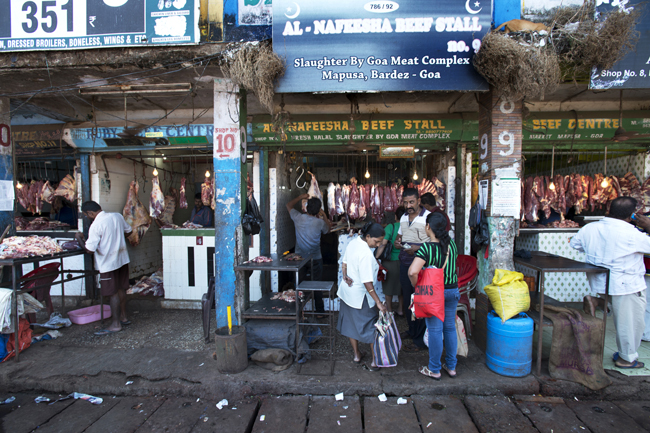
{"points": [[67, 188], [207, 192], [136, 215], [338, 198], [313, 190], [22, 194], [157, 199], [47, 193], [646, 194], [441, 192], [353, 202], [561, 195], [331, 200], [399, 191], [183, 198], [531, 205], [363, 205]]}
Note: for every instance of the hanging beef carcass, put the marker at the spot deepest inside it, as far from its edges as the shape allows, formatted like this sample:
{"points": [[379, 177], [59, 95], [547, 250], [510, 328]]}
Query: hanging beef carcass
{"points": [[399, 192], [314, 191], [426, 186], [183, 198], [157, 199], [213, 201], [551, 194], [561, 195], [367, 190], [353, 202], [531, 204], [345, 197], [380, 213], [540, 195], [22, 194], [67, 188], [34, 201], [331, 200], [363, 205], [47, 193], [338, 197], [393, 197], [136, 215], [645, 191], [167, 216], [207, 192], [389, 205], [591, 201], [522, 207], [585, 184], [441, 192], [635, 190], [598, 195]]}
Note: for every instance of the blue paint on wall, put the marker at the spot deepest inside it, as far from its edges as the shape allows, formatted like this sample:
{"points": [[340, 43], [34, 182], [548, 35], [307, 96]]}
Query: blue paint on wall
{"points": [[505, 10]]}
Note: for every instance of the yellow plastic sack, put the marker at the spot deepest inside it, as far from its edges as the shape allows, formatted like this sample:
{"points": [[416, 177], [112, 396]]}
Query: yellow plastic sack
{"points": [[508, 293]]}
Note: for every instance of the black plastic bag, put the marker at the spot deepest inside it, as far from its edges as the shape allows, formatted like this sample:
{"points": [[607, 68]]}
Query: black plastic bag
{"points": [[482, 236], [252, 219]]}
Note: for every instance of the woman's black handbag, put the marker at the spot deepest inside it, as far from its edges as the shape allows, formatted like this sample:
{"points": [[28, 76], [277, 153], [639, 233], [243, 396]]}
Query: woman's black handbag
{"points": [[388, 250], [252, 219]]}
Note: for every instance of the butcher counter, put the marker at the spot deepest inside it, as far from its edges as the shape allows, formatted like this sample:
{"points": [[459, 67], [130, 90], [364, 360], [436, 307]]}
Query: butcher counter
{"points": [[188, 264], [563, 287]]}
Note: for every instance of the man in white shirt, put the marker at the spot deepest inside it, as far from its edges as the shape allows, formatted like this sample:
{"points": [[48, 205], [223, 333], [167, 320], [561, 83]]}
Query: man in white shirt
{"points": [[411, 235], [614, 243], [107, 242]]}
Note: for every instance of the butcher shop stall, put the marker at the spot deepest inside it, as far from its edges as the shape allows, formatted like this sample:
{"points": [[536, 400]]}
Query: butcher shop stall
{"points": [[173, 248], [563, 191]]}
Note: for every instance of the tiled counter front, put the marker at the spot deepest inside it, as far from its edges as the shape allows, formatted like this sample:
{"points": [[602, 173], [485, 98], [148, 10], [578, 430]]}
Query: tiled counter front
{"points": [[188, 262], [566, 286]]}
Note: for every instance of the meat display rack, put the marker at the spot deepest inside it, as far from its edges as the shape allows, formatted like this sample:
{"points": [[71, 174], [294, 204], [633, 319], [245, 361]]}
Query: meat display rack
{"points": [[543, 263], [536, 230], [16, 281], [282, 266]]}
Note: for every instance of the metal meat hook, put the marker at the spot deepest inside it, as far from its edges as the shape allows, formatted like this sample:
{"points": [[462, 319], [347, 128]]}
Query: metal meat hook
{"points": [[300, 176]]}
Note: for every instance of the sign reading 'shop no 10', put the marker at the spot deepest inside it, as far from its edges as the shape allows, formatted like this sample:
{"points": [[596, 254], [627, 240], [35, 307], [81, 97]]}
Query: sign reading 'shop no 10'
{"points": [[37, 25], [361, 45]]}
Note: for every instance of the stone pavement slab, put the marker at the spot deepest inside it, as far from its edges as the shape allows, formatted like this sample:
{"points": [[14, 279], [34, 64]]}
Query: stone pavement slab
{"points": [[238, 416], [388, 416], [326, 414], [77, 417], [127, 415], [282, 415], [639, 411], [30, 415], [497, 414], [175, 415], [446, 414], [604, 417], [551, 415]]}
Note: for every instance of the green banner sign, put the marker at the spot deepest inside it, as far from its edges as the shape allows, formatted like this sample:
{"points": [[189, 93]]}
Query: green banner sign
{"points": [[430, 129]]}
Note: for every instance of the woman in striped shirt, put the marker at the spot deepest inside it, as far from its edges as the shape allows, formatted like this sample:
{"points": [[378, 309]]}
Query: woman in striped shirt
{"points": [[441, 251]]}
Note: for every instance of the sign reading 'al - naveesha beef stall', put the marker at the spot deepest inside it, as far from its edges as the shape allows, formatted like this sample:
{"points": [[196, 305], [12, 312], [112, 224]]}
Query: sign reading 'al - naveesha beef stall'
{"points": [[348, 45]]}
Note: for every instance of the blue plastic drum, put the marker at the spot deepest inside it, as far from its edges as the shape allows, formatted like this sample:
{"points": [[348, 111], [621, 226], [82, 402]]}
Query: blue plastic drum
{"points": [[510, 345]]}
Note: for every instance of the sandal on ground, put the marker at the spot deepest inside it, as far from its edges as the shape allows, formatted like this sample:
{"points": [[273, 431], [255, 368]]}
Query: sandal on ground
{"points": [[448, 370], [125, 322], [105, 332], [425, 370], [635, 364], [371, 367], [360, 358], [412, 348]]}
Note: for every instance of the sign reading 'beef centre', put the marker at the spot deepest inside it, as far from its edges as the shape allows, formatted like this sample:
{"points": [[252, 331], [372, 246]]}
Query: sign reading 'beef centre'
{"points": [[347, 45]]}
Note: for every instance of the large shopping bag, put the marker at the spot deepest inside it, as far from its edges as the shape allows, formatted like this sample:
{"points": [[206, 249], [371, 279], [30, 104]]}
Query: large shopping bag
{"points": [[463, 348], [508, 294], [428, 297], [387, 341]]}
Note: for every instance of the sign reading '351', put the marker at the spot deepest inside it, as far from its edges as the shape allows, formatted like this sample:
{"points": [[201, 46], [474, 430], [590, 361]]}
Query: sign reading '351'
{"points": [[82, 24]]}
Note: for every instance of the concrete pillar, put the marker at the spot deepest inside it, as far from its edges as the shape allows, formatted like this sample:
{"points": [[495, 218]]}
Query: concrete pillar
{"points": [[6, 163], [229, 129], [500, 134]]}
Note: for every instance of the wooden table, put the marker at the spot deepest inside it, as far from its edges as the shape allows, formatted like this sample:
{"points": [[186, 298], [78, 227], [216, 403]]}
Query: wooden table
{"points": [[278, 264], [546, 263], [16, 280]]}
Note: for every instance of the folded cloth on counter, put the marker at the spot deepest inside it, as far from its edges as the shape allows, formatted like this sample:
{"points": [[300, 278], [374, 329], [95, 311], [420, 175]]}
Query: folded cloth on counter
{"points": [[524, 254]]}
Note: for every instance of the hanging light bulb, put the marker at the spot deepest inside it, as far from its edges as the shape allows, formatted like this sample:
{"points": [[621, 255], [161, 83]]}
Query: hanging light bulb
{"points": [[207, 173], [155, 171], [551, 186], [367, 174], [604, 183], [415, 176], [19, 185]]}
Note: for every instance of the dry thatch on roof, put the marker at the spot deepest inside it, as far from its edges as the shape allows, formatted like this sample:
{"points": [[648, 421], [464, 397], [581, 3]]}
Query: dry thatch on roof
{"points": [[516, 68], [255, 67]]}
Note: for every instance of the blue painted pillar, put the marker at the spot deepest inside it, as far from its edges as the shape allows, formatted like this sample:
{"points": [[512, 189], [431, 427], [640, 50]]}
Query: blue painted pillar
{"points": [[505, 10], [229, 127], [6, 162]]}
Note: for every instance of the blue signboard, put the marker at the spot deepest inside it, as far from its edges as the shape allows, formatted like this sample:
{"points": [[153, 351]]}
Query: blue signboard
{"points": [[633, 71], [39, 25], [365, 46]]}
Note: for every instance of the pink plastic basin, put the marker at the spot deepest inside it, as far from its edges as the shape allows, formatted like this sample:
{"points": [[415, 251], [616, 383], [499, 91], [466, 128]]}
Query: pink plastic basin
{"points": [[88, 314]]}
